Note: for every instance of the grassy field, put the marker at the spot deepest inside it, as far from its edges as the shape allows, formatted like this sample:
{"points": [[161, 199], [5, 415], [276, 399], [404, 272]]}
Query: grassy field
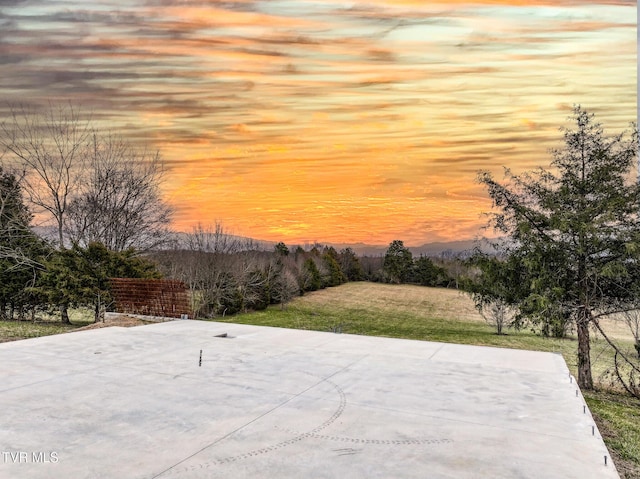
{"points": [[434, 314]]}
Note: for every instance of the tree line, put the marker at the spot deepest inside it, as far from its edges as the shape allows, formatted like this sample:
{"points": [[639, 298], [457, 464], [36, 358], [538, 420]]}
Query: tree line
{"points": [[227, 274]]}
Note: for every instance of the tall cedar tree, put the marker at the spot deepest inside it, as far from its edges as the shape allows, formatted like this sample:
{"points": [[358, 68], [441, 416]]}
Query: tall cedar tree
{"points": [[575, 229], [21, 251]]}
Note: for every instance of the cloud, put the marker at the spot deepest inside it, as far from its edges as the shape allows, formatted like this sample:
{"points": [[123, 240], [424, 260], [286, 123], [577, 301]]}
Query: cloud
{"points": [[507, 3], [379, 112]]}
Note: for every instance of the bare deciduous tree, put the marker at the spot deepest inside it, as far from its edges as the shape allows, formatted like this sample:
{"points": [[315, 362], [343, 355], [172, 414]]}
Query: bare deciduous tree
{"points": [[626, 370], [497, 313], [207, 267], [286, 287], [632, 318], [119, 203], [50, 146], [212, 239], [95, 187], [251, 273], [227, 274]]}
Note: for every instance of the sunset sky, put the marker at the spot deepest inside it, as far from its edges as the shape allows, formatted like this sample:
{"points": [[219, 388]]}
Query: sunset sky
{"points": [[328, 120]]}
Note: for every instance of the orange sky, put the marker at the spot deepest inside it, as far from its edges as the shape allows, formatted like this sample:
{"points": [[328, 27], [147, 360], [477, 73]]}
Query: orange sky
{"points": [[303, 121]]}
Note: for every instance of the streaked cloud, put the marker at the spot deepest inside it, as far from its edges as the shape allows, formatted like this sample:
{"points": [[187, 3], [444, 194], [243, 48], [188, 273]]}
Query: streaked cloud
{"points": [[300, 120]]}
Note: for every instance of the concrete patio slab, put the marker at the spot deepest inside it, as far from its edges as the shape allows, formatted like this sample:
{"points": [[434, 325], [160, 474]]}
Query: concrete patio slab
{"points": [[278, 403]]}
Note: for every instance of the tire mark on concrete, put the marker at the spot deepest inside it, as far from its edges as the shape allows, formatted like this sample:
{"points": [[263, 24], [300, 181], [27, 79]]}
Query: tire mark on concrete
{"points": [[264, 450], [342, 404], [387, 442]]}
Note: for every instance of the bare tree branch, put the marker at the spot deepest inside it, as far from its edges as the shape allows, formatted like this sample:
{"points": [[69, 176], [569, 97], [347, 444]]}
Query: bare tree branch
{"points": [[119, 203], [50, 146], [630, 383]]}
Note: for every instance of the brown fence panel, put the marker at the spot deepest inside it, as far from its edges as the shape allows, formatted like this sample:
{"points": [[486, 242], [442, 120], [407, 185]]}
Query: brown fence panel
{"points": [[151, 297]]}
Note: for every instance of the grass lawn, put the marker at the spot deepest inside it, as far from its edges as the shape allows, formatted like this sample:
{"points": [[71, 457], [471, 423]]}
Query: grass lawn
{"points": [[434, 314], [618, 419], [44, 326], [14, 330]]}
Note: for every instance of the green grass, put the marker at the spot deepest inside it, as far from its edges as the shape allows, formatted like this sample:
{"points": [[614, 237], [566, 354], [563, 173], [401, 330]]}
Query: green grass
{"points": [[618, 419], [45, 325], [14, 330], [391, 311]]}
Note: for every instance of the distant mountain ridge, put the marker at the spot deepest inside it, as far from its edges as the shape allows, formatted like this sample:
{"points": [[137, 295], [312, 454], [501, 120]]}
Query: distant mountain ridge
{"points": [[440, 248]]}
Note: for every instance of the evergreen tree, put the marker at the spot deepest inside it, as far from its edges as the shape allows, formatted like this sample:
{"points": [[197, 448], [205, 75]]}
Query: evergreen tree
{"points": [[21, 251], [398, 263], [575, 229], [426, 273], [350, 265], [80, 276], [312, 279], [335, 277], [281, 249]]}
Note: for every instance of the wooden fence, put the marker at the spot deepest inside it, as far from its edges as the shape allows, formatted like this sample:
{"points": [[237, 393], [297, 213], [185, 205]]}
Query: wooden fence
{"points": [[151, 297]]}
